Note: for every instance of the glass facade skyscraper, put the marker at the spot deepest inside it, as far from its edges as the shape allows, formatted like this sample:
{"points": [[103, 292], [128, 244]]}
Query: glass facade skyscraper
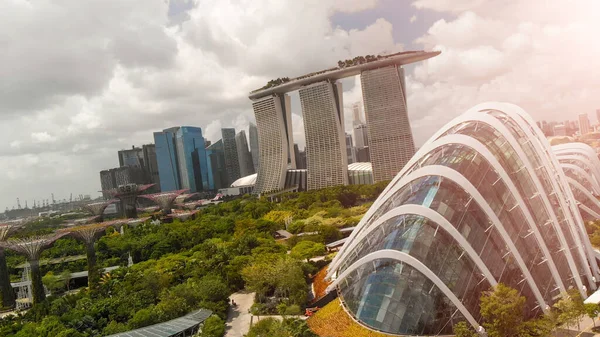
{"points": [[484, 201], [181, 158], [166, 158]]}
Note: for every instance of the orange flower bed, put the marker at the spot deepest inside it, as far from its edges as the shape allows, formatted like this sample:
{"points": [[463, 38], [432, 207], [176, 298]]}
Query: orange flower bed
{"points": [[333, 321], [319, 283]]}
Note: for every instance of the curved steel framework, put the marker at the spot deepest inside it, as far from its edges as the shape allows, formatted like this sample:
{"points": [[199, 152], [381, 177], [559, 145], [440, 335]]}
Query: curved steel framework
{"points": [[485, 200]]}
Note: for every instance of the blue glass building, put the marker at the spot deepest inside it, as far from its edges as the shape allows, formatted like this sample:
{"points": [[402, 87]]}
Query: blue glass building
{"points": [[182, 160], [166, 158]]}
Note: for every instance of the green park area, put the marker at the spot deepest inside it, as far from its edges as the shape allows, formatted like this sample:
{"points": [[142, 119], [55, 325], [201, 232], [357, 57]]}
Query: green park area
{"points": [[180, 267]]}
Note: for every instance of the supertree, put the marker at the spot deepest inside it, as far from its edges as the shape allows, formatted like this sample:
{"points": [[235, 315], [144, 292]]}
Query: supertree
{"points": [[164, 200], [32, 248], [128, 195], [97, 208], [89, 234], [8, 295]]}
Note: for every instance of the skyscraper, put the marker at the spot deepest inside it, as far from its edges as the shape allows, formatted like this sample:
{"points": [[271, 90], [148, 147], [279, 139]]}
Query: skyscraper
{"points": [[181, 159], [253, 134], [191, 158], [598, 115], [350, 152], [391, 142], [244, 156], [276, 141], [300, 157], [584, 124], [216, 166], [151, 165], [326, 159], [133, 157], [321, 110], [166, 157], [232, 164]]}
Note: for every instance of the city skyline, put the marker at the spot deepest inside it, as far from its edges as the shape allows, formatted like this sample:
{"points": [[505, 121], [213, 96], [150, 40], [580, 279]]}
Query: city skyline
{"points": [[106, 96]]}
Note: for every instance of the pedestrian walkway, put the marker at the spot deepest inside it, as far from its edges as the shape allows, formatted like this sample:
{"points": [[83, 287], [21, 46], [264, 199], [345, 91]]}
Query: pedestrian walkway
{"points": [[238, 317]]}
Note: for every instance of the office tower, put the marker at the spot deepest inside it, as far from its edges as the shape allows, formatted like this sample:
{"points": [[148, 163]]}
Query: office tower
{"points": [[253, 135], [275, 144], [350, 152], [584, 124], [356, 114], [232, 164], [181, 159], [362, 154], [191, 158], [598, 115], [131, 157], [151, 165], [166, 157], [115, 177], [326, 159], [244, 156], [560, 130], [300, 157], [361, 137], [391, 142], [216, 166]]}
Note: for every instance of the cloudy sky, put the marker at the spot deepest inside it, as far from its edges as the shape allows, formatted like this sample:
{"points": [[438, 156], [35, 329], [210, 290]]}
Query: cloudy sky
{"points": [[83, 79]]}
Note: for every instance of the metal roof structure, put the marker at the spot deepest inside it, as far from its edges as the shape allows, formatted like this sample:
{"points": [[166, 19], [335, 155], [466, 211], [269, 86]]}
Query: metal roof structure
{"points": [[182, 326], [360, 166]]}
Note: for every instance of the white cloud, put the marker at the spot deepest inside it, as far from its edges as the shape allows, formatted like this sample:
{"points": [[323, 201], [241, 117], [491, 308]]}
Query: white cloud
{"points": [[413, 19], [537, 54], [42, 137], [88, 78]]}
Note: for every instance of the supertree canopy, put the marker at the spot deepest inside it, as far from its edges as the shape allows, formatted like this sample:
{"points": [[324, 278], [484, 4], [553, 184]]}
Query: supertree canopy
{"points": [[8, 295], [89, 234], [32, 247], [128, 195], [97, 208], [165, 200]]}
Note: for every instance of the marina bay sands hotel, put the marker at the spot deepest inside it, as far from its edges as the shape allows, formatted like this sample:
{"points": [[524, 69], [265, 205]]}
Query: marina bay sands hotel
{"points": [[391, 142]]}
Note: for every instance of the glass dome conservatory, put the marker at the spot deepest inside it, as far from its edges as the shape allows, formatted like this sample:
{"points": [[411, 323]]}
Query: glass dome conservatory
{"points": [[485, 200]]}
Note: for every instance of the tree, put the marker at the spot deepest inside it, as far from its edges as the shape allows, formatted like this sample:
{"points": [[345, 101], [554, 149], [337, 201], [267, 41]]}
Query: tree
{"points": [[214, 326], [462, 329], [570, 308], [502, 311], [307, 249], [592, 310]]}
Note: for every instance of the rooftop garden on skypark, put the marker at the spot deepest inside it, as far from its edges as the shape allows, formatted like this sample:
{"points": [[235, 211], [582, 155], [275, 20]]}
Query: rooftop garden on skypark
{"points": [[358, 60]]}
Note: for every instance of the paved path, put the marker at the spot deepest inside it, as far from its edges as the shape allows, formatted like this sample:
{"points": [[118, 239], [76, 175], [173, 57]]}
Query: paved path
{"points": [[238, 317]]}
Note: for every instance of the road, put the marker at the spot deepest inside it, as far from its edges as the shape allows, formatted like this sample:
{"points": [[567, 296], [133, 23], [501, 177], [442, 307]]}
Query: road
{"points": [[238, 318]]}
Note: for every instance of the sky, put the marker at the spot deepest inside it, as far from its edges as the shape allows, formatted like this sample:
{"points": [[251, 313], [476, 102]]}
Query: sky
{"points": [[83, 79]]}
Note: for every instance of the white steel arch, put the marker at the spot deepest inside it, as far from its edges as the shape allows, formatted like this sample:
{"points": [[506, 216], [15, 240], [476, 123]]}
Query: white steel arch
{"points": [[595, 171], [589, 211], [477, 116], [583, 174], [566, 193], [583, 190], [456, 177], [560, 186], [437, 218], [484, 151], [418, 265]]}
